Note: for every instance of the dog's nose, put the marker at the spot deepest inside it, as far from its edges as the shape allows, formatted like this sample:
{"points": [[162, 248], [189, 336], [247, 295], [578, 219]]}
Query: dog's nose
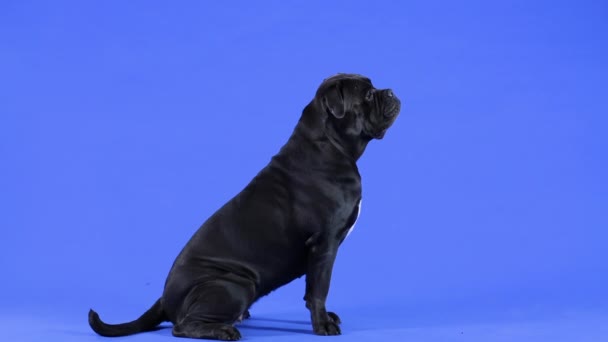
{"points": [[389, 93]]}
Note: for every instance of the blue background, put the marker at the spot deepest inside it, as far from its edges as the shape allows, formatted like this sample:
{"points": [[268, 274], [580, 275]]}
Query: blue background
{"points": [[125, 124]]}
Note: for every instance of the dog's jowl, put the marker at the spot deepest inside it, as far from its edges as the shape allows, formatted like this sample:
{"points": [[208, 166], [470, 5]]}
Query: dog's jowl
{"points": [[289, 221]]}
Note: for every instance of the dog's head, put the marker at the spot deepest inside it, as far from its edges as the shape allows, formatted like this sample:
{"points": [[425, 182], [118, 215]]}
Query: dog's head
{"points": [[355, 108]]}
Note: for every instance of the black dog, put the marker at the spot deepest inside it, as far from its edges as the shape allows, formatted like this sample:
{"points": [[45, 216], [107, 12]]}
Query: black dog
{"points": [[287, 222]]}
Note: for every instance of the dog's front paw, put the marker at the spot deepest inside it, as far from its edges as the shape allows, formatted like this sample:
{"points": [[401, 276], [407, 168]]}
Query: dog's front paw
{"points": [[332, 316], [327, 327]]}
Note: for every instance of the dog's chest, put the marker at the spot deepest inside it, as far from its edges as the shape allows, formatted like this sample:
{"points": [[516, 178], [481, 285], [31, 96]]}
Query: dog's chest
{"points": [[352, 220]]}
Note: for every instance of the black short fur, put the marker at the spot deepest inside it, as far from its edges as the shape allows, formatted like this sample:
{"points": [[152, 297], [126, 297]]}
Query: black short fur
{"points": [[287, 222]]}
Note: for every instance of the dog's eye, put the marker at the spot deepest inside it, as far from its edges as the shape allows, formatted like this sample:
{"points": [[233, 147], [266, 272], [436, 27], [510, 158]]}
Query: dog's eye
{"points": [[369, 96]]}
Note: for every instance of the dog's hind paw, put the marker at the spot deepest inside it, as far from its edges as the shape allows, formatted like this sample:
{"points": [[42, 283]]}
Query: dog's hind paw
{"points": [[212, 331]]}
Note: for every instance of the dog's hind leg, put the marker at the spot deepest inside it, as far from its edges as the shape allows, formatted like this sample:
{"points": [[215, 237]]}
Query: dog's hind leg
{"points": [[245, 315], [210, 309]]}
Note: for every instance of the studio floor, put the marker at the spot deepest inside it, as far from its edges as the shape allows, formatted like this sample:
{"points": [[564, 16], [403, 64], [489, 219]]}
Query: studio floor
{"points": [[432, 324]]}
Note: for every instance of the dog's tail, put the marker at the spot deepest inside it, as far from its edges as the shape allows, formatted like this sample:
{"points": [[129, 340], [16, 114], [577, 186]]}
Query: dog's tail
{"points": [[146, 322]]}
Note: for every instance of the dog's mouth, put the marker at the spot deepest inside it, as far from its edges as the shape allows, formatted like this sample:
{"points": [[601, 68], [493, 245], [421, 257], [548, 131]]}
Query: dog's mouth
{"points": [[389, 117], [381, 130], [380, 134], [393, 108]]}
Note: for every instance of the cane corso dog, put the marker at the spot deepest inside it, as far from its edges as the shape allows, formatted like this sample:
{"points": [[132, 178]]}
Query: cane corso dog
{"points": [[287, 222]]}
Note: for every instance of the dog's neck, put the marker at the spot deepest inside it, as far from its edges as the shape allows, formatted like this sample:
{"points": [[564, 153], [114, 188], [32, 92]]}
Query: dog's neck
{"points": [[317, 128], [349, 146]]}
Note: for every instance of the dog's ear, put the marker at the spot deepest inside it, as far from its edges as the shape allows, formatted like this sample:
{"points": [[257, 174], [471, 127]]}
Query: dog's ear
{"points": [[333, 101]]}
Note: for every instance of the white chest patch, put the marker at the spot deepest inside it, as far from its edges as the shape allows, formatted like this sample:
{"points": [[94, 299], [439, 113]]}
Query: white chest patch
{"points": [[354, 223]]}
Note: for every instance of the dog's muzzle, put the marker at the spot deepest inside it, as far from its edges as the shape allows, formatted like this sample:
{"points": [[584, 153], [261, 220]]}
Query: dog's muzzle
{"points": [[392, 103]]}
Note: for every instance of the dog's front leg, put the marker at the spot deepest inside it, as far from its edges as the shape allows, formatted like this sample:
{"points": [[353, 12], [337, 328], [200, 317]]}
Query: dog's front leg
{"points": [[321, 256]]}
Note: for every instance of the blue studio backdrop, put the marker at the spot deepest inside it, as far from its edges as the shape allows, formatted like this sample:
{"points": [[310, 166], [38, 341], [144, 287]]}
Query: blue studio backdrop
{"points": [[125, 124]]}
